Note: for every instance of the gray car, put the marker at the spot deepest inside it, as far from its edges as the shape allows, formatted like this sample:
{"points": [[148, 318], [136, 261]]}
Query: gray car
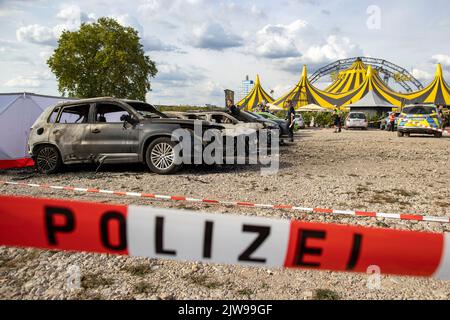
{"points": [[106, 130]]}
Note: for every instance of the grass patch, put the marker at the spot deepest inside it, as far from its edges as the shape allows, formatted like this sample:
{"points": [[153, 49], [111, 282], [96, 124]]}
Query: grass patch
{"points": [[326, 294], [264, 286], [443, 204], [245, 292], [382, 224], [405, 193], [95, 280], [139, 270], [361, 189], [7, 262], [82, 295], [145, 288], [382, 197], [203, 281]]}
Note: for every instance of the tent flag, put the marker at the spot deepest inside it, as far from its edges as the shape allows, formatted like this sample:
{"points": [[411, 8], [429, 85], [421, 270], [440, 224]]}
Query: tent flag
{"points": [[256, 96]]}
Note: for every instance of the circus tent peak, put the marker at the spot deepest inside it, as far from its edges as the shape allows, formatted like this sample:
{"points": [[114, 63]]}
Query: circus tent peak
{"points": [[438, 91], [256, 96]]}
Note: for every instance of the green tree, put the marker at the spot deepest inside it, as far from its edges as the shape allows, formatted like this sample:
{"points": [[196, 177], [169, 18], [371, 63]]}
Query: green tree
{"points": [[102, 59]]}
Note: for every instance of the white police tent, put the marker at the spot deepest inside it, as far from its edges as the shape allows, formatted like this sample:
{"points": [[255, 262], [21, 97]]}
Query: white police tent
{"points": [[18, 112]]}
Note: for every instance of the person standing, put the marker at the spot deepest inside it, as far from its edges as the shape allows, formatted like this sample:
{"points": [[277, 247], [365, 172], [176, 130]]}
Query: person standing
{"points": [[291, 119], [392, 121], [442, 116], [232, 109], [337, 120]]}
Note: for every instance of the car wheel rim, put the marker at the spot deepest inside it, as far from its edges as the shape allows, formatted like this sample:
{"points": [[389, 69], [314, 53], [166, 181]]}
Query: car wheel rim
{"points": [[162, 156], [47, 159]]}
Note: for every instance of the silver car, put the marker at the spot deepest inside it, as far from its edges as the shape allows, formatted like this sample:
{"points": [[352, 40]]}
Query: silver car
{"points": [[356, 120]]}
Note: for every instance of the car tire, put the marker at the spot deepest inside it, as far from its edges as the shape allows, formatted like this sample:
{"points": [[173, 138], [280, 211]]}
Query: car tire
{"points": [[47, 159], [400, 134], [161, 158]]}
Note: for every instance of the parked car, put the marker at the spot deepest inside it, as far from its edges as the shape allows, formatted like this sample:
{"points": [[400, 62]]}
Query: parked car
{"points": [[106, 130], [278, 123], [270, 116], [356, 120], [299, 122], [230, 123], [232, 126], [422, 118], [385, 123]]}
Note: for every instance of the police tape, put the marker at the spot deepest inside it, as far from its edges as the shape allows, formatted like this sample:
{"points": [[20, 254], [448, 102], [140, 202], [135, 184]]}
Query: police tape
{"points": [[219, 238], [354, 213]]}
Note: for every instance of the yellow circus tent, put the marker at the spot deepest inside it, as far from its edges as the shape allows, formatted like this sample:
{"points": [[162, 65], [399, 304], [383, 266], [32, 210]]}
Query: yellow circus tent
{"points": [[374, 91], [304, 93], [349, 79], [438, 91], [256, 95]]}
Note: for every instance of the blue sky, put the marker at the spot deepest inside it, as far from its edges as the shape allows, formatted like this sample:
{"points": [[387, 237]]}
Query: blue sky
{"points": [[202, 47]]}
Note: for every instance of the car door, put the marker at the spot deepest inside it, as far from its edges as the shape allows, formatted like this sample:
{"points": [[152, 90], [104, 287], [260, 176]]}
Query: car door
{"points": [[69, 130], [110, 136]]}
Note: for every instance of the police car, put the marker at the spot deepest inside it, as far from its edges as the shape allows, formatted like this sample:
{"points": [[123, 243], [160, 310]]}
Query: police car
{"points": [[419, 118]]}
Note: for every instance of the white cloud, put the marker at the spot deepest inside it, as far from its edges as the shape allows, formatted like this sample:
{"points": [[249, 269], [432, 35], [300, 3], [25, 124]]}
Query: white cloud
{"points": [[335, 48], [176, 74], [35, 33], [127, 20], [443, 59], [70, 19], [298, 42], [213, 36], [151, 43], [278, 41], [23, 82], [421, 75]]}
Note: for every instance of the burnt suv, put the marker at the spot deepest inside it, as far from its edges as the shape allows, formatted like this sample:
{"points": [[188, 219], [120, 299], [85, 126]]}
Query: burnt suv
{"points": [[107, 130]]}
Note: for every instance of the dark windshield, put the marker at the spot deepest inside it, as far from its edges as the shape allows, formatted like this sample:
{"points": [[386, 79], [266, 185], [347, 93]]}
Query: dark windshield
{"points": [[419, 110], [146, 110]]}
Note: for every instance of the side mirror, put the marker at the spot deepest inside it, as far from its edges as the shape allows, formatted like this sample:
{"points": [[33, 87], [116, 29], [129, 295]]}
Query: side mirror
{"points": [[127, 118]]}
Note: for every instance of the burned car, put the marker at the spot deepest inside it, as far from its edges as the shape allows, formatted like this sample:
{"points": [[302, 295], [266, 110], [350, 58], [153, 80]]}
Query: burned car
{"points": [[107, 130], [249, 132], [232, 126]]}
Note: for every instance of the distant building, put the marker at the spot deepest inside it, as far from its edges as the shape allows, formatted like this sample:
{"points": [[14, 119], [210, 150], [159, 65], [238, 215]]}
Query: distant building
{"points": [[245, 88]]}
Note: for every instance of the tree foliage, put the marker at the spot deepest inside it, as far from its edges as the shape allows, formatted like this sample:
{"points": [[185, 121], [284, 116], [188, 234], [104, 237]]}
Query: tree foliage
{"points": [[102, 59]]}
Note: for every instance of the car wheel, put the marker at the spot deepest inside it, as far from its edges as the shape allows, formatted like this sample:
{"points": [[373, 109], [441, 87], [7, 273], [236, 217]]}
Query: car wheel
{"points": [[161, 157], [48, 160], [399, 134]]}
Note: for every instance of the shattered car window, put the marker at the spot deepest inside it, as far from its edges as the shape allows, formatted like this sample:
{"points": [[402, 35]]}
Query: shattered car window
{"points": [[146, 110], [74, 114], [109, 113]]}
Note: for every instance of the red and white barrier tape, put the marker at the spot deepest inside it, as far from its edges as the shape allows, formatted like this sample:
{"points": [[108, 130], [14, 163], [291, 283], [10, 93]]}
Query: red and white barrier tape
{"points": [[219, 238], [356, 213]]}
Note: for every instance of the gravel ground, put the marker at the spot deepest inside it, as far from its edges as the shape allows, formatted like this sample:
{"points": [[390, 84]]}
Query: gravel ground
{"points": [[367, 170]]}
